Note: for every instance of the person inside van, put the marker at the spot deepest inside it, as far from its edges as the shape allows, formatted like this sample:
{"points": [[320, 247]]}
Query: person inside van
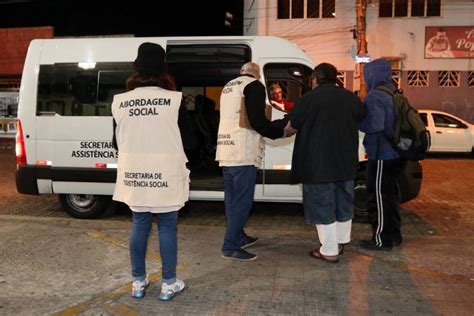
{"points": [[240, 150], [152, 178], [277, 100]]}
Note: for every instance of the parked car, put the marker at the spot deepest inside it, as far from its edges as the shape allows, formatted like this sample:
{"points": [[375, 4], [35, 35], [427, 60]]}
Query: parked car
{"points": [[448, 133]]}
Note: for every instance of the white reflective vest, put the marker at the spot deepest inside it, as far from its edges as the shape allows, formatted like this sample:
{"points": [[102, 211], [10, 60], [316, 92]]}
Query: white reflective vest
{"points": [[151, 170], [237, 146]]}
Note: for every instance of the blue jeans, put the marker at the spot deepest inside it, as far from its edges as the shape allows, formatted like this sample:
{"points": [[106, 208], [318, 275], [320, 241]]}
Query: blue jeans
{"points": [[326, 203], [141, 228], [239, 188]]}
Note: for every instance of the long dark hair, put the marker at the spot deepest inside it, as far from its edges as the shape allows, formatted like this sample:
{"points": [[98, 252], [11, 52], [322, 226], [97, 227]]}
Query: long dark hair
{"points": [[138, 80]]}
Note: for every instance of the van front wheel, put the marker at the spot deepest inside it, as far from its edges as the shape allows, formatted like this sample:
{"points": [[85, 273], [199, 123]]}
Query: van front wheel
{"points": [[84, 206]]}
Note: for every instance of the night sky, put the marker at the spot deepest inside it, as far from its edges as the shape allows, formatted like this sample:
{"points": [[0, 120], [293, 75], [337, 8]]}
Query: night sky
{"points": [[141, 18]]}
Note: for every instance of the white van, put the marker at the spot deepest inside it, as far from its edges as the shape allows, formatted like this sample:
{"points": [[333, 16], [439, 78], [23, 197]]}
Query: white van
{"points": [[65, 126]]}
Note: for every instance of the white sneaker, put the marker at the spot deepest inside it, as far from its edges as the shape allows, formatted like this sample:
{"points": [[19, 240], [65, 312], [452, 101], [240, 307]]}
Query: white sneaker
{"points": [[168, 291], [139, 287]]}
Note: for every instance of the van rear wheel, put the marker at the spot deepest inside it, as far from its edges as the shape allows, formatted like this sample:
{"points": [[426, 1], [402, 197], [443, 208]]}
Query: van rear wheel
{"points": [[84, 206]]}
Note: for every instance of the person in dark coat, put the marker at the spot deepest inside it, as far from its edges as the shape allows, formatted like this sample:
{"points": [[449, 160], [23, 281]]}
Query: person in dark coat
{"points": [[325, 158]]}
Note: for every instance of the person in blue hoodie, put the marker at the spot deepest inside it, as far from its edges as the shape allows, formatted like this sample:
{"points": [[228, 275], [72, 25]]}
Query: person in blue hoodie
{"points": [[384, 165]]}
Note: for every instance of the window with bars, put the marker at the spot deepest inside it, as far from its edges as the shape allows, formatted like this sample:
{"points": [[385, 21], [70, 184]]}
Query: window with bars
{"points": [[341, 78], [418, 78], [470, 79], [298, 9], [409, 8], [449, 78], [396, 75]]}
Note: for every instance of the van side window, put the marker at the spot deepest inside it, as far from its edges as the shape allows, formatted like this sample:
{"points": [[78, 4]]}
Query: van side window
{"points": [[80, 90], [293, 79], [210, 65]]}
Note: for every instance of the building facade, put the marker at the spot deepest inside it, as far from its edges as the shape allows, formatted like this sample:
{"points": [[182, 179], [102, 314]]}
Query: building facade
{"points": [[430, 43], [15, 42]]}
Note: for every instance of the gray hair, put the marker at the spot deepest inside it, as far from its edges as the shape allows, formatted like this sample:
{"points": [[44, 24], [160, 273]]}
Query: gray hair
{"points": [[251, 68]]}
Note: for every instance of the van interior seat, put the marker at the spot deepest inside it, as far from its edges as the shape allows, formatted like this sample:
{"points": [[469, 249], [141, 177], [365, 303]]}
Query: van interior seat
{"points": [[206, 123]]}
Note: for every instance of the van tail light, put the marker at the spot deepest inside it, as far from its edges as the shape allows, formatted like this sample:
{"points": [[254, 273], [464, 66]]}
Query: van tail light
{"points": [[20, 145], [100, 165]]}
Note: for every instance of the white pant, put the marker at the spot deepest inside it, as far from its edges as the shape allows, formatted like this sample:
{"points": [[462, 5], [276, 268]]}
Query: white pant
{"points": [[330, 236]]}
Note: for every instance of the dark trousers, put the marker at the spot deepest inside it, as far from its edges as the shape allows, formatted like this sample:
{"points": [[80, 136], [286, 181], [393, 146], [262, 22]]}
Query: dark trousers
{"points": [[239, 189], [384, 200]]}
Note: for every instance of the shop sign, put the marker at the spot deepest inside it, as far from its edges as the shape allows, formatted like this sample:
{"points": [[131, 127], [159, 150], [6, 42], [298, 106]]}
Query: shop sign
{"points": [[449, 42]]}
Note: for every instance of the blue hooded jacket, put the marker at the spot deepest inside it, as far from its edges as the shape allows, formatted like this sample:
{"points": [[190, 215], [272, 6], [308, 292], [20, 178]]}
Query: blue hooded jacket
{"points": [[379, 123]]}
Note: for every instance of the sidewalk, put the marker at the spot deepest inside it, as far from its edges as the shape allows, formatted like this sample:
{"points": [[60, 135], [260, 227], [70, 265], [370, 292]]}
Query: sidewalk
{"points": [[51, 263], [75, 267]]}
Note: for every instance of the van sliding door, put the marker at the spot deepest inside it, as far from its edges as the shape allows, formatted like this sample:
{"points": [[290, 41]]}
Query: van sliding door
{"points": [[201, 71]]}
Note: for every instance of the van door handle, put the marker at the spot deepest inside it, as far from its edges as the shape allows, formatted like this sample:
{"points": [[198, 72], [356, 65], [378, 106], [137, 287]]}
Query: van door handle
{"points": [[46, 113], [438, 132]]}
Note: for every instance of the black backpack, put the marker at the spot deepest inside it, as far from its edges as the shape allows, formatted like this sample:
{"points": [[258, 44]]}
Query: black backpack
{"points": [[410, 139]]}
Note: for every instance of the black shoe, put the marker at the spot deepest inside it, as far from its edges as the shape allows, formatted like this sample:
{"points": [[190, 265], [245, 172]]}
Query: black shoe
{"points": [[250, 242], [340, 248], [240, 255], [397, 243], [370, 245]]}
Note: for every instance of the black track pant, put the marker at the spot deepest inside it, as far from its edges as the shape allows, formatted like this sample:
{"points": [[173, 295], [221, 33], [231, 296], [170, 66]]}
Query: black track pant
{"points": [[384, 200]]}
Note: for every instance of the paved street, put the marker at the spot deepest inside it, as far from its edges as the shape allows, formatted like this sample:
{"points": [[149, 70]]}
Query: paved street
{"points": [[52, 263]]}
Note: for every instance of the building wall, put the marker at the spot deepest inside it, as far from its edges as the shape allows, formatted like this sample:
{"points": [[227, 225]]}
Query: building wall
{"points": [[14, 46], [405, 37], [331, 40]]}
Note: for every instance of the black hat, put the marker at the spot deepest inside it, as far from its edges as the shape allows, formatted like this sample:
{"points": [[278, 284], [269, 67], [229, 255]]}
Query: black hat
{"points": [[150, 59]]}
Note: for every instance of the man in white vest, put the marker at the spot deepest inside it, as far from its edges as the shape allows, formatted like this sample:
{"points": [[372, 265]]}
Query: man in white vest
{"points": [[240, 149], [152, 177]]}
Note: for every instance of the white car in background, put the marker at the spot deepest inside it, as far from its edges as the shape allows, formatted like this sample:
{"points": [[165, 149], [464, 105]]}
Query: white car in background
{"points": [[448, 133]]}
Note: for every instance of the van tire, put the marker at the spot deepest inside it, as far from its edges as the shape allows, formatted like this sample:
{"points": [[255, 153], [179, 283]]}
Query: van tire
{"points": [[84, 206], [360, 200]]}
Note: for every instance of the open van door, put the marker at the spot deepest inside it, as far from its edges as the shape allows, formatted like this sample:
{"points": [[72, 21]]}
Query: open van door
{"points": [[294, 79]]}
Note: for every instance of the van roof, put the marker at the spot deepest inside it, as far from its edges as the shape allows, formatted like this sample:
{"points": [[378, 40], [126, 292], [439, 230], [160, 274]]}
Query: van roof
{"points": [[123, 49]]}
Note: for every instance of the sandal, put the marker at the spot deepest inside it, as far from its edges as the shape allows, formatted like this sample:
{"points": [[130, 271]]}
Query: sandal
{"points": [[318, 255], [340, 248]]}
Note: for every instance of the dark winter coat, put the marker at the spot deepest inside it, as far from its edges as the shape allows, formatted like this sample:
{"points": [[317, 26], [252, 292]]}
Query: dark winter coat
{"points": [[254, 94], [326, 145]]}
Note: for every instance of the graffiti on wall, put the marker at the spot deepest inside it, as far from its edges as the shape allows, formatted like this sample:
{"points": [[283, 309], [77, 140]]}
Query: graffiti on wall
{"points": [[463, 110]]}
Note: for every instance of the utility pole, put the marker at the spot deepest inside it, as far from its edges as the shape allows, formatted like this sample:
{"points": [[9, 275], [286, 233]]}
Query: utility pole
{"points": [[361, 6]]}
